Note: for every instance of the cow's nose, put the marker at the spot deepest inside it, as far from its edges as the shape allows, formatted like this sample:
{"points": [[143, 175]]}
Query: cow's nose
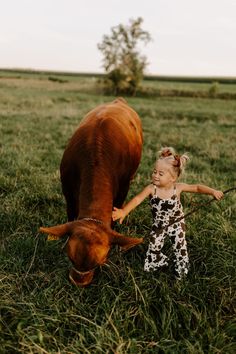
{"points": [[80, 278]]}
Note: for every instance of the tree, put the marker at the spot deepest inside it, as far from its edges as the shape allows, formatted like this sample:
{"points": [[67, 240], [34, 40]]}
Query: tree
{"points": [[122, 61]]}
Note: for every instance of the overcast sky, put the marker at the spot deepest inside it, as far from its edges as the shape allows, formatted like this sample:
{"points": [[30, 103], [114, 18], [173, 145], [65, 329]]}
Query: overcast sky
{"points": [[190, 37]]}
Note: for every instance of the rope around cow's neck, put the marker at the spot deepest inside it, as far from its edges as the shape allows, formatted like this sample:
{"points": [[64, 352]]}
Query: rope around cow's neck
{"points": [[193, 211]]}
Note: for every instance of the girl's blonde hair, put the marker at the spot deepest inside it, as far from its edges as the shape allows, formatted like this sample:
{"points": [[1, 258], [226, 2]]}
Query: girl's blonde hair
{"points": [[177, 162]]}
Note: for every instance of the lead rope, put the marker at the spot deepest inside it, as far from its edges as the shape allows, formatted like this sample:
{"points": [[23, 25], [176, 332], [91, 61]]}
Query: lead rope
{"points": [[193, 211]]}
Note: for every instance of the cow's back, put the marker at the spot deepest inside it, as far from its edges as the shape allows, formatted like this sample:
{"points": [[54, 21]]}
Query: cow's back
{"points": [[106, 147], [114, 122]]}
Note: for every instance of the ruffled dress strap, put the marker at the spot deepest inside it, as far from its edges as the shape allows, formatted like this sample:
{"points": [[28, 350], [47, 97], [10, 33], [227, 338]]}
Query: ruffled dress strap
{"points": [[175, 192], [155, 190]]}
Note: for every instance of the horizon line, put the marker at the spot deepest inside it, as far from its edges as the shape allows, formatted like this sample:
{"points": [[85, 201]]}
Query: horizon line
{"points": [[96, 73]]}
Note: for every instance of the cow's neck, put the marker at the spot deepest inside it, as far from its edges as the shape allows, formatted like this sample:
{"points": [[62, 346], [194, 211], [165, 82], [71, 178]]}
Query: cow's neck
{"points": [[96, 200]]}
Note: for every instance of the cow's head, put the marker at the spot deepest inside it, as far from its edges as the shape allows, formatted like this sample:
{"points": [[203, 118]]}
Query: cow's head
{"points": [[88, 246]]}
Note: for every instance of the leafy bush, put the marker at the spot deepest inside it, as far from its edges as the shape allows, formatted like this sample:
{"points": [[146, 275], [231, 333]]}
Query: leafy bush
{"points": [[214, 89]]}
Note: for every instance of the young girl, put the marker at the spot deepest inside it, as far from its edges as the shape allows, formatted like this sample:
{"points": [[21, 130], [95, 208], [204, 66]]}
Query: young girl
{"points": [[164, 193]]}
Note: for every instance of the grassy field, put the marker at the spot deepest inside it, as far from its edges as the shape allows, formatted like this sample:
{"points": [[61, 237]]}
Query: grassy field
{"points": [[125, 310]]}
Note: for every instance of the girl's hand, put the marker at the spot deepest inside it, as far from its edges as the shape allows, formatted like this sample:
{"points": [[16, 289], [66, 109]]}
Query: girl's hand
{"points": [[217, 194], [118, 214]]}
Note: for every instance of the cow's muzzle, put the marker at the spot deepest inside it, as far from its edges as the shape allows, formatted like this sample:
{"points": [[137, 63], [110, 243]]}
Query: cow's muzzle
{"points": [[79, 278]]}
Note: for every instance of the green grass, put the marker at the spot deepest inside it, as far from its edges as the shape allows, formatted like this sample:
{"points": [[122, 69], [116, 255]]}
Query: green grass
{"points": [[125, 310]]}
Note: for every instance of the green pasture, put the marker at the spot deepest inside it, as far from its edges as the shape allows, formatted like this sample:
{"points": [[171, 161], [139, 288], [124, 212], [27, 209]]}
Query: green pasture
{"points": [[125, 310]]}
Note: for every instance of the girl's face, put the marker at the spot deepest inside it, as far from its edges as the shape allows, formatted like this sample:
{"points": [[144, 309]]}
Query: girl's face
{"points": [[162, 175]]}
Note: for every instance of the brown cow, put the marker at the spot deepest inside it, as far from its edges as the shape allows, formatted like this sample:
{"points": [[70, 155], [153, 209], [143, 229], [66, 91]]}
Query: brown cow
{"points": [[97, 166]]}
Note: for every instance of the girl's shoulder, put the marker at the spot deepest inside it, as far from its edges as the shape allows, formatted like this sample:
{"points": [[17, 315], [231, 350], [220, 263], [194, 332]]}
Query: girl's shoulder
{"points": [[180, 187], [149, 190]]}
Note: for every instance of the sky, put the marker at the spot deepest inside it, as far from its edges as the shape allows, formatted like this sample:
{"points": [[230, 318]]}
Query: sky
{"points": [[189, 37]]}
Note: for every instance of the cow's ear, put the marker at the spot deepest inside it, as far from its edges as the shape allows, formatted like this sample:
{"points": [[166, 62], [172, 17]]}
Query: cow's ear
{"points": [[125, 242], [58, 231]]}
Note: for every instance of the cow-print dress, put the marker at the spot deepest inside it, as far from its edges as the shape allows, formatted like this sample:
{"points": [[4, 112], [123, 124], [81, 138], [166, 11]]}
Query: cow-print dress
{"points": [[164, 211]]}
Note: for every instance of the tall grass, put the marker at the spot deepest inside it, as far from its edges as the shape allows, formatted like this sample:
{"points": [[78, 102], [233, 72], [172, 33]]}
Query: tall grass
{"points": [[125, 310]]}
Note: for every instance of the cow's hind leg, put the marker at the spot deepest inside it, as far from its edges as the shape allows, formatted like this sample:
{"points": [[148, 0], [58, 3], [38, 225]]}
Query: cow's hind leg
{"points": [[71, 205], [70, 190], [121, 195]]}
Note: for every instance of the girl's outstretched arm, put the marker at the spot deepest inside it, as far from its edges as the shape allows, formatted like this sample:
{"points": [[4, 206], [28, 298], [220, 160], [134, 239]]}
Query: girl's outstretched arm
{"points": [[120, 214], [199, 188]]}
